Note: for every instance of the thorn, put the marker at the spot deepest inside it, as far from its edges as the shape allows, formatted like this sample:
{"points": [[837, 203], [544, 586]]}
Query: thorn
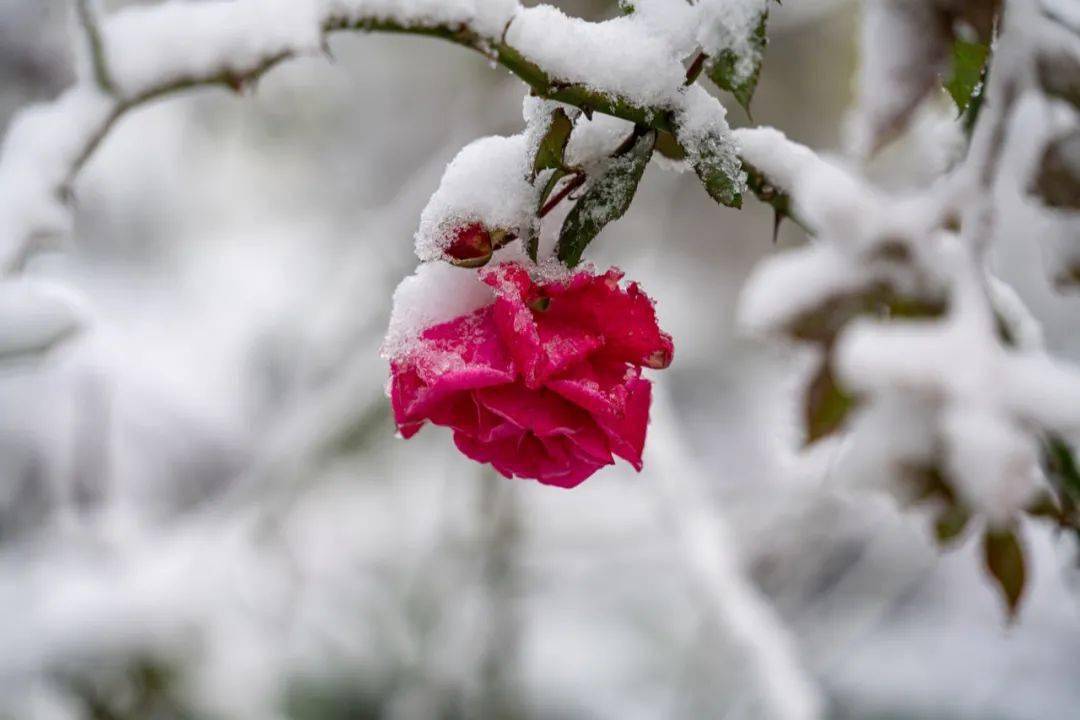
{"points": [[778, 217], [326, 51]]}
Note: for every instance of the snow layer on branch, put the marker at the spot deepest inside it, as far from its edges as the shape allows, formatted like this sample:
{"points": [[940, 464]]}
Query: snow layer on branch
{"points": [[437, 292], [783, 161], [676, 22], [984, 399], [783, 288], [486, 183], [487, 17], [828, 197], [175, 40], [42, 146], [619, 57], [729, 25]]}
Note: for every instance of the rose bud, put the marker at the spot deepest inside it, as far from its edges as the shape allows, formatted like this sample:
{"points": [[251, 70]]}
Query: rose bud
{"points": [[470, 246]]}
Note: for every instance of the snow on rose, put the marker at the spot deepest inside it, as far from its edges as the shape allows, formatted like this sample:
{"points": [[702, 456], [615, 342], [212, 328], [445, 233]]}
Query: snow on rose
{"points": [[545, 381]]}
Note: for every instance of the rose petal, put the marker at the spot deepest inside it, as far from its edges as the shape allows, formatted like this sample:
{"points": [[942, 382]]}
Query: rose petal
{"points": [[625, 319], [539, 411], [450, 358], [627, 433], [596, 386]]}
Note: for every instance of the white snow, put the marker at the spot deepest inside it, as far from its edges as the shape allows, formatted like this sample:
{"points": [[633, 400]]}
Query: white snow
{"points": [[619, 57], [488, 182], [42, 145], [488, 17], [729, 25], [35, 315], [148, 46], [436, 293]]}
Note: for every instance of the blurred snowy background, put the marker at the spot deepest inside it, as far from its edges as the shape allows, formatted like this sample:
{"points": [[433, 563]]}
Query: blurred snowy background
{"points": [[204, 512]]}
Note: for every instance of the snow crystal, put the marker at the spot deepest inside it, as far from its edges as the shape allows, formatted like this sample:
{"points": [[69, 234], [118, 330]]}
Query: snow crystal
{"points": [[436, 293], [487, 17], [168, 42], [487, 183], [620, 57]]}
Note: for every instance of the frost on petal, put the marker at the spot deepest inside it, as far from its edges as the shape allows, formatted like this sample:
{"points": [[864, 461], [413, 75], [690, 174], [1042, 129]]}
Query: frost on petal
{"points": [[454, 357], [624, 318], [626, 432]]}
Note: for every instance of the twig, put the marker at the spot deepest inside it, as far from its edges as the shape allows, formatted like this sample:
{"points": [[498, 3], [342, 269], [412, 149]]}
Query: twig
{"points": [[88, 19], [574, 183]]}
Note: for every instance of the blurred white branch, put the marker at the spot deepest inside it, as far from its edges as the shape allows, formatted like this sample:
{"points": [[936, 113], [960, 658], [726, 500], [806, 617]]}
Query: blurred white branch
{"points": [[781, 690]]}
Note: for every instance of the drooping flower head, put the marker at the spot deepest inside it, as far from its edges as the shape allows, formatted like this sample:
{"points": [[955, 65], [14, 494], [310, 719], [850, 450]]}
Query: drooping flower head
{"points": [[545, 382]]}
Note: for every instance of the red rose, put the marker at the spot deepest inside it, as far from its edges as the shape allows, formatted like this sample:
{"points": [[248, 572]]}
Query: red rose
{"points": [[545, 382]]}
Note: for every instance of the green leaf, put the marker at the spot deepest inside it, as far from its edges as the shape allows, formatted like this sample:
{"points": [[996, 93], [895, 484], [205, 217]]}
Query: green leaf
{"points": [[532, 244], [738, 74], [669, 147], [968, 61], [950, 523], [826, 406], [552, 147], [607, 198], [1004, 559]]}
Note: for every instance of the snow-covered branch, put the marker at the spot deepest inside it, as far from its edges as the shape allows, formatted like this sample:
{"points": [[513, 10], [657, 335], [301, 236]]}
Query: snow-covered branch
{"points": [[141, 54]]}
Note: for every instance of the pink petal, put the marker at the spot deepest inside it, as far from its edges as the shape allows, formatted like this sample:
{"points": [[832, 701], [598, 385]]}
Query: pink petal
{"points": [[538, 411], [626, 319], [600, 388], [627, 433], [450, 358]]}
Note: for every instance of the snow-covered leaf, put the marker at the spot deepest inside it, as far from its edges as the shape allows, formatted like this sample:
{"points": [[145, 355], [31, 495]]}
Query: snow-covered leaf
{"points": [[738, 72], [607, 198], [703, 132], [1004, 559]]}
